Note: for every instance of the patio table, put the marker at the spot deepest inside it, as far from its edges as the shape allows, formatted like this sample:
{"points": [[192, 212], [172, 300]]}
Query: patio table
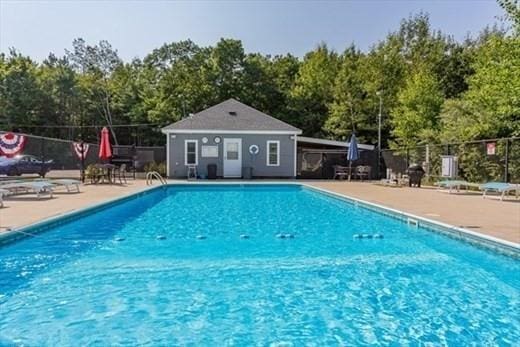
{"points": [[107, 172]]}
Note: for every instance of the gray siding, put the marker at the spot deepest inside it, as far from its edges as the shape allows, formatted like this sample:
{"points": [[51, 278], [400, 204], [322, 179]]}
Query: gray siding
{"points": [[258, 162]]}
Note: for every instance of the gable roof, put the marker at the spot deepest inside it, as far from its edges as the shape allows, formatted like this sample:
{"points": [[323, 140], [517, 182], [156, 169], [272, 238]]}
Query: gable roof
{"points": [[230, 115]]}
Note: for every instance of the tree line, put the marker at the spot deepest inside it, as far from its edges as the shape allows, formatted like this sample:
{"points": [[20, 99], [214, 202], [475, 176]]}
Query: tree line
{"points": [[431, 87]]}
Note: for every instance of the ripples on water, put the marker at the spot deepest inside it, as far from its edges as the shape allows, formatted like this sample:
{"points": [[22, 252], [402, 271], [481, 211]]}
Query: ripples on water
{"points": [[77, 285]]}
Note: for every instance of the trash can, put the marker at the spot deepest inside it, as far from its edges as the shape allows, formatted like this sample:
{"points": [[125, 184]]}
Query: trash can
{"points": [[212, 171], [247, 172]]}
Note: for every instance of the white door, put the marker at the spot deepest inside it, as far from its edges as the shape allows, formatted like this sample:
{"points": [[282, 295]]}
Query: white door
{"points": [[232, 157]]}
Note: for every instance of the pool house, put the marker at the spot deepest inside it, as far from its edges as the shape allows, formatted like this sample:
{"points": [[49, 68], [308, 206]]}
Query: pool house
{"points": [[234, 140]]}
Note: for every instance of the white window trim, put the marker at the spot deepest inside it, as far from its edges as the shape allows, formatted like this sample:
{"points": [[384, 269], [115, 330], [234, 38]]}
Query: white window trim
{"points": [[186, 151], [277, 153]]}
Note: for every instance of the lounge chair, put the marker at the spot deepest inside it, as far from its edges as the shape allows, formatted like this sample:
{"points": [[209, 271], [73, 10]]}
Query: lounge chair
{"points": [[71, 185], [500, 187], [3, 192], [37, 187], [455, 184], [10, 181], [394, 180]]}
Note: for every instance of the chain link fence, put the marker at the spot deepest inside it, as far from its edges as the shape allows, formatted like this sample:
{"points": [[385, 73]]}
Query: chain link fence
{"points": [[65, 163], [142, 135], [478, 161], [315, 163]]}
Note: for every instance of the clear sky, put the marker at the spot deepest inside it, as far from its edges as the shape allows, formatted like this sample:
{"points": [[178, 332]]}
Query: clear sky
{"points": [[134, 28]]}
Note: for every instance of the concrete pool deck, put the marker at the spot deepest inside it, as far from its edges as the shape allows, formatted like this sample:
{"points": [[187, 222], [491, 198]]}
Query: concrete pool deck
{"points": [[490, 216], [24, 209], [500, 219]]}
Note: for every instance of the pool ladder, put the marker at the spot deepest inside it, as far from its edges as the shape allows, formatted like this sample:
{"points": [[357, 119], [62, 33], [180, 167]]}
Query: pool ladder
{"points": [[154, 174]]}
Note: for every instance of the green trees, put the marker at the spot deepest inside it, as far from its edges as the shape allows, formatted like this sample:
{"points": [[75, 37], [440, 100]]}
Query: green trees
{"points": [[176, 81], [227, 68], [415, 119], [512, 8], [490, 108], [494, 88], [348, 106], [311, 92], [57, 82], [96, 65], [21, 98], [432, 87]]}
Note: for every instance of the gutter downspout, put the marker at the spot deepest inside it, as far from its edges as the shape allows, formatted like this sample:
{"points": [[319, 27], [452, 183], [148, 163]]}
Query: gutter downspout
{"points": [[295, 154]]}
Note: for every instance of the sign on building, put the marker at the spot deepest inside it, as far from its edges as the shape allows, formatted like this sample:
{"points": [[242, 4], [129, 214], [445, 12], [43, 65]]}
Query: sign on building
{"points": [[491, 148], [210, 151]]}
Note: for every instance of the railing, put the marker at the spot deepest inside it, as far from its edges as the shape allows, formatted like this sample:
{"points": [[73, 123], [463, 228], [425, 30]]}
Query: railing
{"points": [[154, 174]]}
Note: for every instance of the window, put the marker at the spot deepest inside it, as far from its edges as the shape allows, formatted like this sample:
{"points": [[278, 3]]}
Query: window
{"points": [[273, 153], [232, 151], [191, 156]]}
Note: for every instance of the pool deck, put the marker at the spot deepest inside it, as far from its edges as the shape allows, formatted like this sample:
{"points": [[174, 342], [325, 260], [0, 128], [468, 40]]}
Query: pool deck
{"points": [[24, 209], [490, 216], [500, 219]]}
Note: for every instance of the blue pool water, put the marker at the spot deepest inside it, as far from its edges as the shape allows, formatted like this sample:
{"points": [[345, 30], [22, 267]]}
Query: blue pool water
{"points": [[76, 285]]}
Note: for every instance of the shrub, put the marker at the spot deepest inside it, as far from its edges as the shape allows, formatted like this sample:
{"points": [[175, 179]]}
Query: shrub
{"points": [[159, 167]]}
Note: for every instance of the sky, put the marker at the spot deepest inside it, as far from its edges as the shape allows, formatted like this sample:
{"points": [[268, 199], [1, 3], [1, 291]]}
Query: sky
{"points": [[135, 28]]}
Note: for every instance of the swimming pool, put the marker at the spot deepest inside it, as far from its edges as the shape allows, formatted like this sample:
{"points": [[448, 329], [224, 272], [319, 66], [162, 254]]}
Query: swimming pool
{"points": [[171, 268]]}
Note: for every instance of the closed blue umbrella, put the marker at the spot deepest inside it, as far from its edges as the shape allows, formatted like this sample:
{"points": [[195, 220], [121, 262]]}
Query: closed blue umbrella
{"points": [[352, 154]]}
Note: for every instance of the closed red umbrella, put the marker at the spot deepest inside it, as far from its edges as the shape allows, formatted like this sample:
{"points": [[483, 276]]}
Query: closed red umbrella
{"points": [[105, 151]]}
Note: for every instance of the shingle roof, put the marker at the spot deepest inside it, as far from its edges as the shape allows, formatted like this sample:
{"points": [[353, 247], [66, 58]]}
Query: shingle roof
{"points": [[231, 115]]}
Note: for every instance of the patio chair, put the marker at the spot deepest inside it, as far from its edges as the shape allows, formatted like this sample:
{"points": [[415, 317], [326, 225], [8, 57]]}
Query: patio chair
{"points": [[120, 173], [94, 174], [363, 172], [340, 171], [37, 187], [500, 187], [192, 172]]}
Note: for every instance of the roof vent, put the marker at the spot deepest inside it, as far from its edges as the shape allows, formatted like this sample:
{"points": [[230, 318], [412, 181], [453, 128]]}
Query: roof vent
{"points": [[232, 113]]}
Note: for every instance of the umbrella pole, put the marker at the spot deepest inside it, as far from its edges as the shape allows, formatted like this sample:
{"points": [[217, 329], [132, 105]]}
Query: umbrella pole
{"points": [[82, 174], [349, 169]]}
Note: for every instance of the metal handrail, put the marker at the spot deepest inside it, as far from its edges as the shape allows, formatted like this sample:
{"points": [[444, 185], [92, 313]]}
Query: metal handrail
{"points": [[154, 174]]}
